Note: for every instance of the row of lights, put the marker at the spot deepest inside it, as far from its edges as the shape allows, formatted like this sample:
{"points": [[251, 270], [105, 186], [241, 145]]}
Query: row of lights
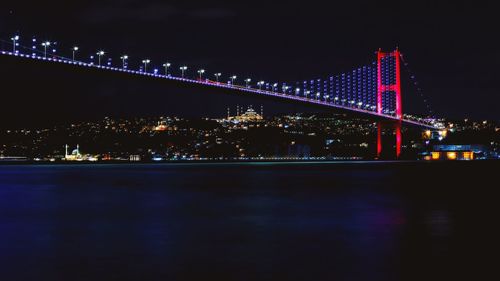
{"points": [[201, 72], [124, 59]]}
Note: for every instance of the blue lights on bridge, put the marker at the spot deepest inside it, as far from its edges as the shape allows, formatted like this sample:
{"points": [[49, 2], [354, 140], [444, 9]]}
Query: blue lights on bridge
{"points": [[353, 91]]}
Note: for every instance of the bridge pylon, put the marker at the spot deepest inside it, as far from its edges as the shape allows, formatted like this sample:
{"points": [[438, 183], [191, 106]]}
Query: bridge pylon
{"points": [[389, 82], [389, 79]]}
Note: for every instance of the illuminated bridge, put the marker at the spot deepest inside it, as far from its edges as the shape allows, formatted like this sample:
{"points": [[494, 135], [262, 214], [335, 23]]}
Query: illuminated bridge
{"points": [[372, 90]]}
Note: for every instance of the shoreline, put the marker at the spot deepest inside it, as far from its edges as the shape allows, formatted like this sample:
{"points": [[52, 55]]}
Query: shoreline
{"points": [[118, 162], [231, 162]]}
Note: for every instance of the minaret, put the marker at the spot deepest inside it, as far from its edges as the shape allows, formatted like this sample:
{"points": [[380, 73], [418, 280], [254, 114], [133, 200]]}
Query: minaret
{"points": [[237, 110], [228, 112], [77, 149], [66, 153], [262, 111]]}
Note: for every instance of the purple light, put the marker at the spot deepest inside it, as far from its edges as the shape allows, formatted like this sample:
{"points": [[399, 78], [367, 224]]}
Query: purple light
{"points": [[352, 105]]}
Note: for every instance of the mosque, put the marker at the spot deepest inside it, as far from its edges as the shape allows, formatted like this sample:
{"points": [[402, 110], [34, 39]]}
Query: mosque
{"points": [[250, 115], [77, 156]]}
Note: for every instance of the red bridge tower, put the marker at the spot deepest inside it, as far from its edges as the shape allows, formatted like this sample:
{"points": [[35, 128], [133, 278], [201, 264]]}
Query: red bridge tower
{"points": [[392, 61]]}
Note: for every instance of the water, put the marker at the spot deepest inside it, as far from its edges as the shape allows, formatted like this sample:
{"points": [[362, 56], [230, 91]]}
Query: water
{"points": [[386, 221]]}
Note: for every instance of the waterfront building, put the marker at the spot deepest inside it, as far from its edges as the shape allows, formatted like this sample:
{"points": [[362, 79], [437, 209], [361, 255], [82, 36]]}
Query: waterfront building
{"points": [[458, 152], [75, 154]]}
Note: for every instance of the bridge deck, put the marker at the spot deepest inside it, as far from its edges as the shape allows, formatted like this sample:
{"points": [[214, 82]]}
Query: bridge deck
{"points": [[210, 83]]}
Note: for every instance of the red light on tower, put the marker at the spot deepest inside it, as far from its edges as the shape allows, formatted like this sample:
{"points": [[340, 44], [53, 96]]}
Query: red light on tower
{"points": [[396, 87]]}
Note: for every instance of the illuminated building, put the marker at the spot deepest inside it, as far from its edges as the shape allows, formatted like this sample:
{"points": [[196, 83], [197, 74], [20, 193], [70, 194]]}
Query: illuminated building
{"points": [[75, 154], [163, 126], [458, 152], [435, 135], [135, 158], [248, 116]]}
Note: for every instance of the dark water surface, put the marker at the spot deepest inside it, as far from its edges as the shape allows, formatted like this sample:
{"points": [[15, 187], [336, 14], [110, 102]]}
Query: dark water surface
{"points": [[385, 221]]}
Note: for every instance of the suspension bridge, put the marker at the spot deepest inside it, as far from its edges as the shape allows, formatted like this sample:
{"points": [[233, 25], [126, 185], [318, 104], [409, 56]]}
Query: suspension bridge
{"points": [[372, 90]]}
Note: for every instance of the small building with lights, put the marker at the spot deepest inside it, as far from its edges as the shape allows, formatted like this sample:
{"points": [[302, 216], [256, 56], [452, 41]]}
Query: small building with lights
{"points": [[458, 152]]}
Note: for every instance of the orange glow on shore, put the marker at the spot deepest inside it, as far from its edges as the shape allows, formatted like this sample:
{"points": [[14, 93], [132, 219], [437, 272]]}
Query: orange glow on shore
{"points": [[451, 155], [468, 155], [435, 155]]}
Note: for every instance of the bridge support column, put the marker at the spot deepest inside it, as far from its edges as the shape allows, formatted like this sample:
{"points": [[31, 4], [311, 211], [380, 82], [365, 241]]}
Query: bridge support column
{"points": [[398, 139], [396, 130], [379, 139]]}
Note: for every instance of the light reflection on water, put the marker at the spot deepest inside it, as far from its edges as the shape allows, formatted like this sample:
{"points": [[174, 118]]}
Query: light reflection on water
{"points": [[439, 223], [228, 222]]}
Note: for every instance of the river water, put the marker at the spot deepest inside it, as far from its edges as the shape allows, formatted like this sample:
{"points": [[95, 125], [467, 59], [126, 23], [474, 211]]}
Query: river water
{"points": [[289, 221]]}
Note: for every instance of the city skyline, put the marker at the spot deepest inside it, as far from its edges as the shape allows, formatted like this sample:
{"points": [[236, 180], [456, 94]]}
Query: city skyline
{"points": [[241, 135]]}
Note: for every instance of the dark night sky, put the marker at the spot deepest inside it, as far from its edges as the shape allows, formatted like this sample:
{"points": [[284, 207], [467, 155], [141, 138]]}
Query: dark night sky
{"points": [[452, 48]]}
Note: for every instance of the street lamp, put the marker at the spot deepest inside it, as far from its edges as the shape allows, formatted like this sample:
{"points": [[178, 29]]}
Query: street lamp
{"points": [[14, 42], [233, 78], [124, 59], [275, 85], [217, 75], [183, 69], [146, 62], [297, 91], [306, 93], [75, 49], [260, 84], [285, 89], [45, 45], [100, 54], [247, 81], [166, 65], [200, 72]]}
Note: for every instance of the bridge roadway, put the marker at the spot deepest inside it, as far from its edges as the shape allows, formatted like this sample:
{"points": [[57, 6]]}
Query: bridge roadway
{"points": [[210, 83]]}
